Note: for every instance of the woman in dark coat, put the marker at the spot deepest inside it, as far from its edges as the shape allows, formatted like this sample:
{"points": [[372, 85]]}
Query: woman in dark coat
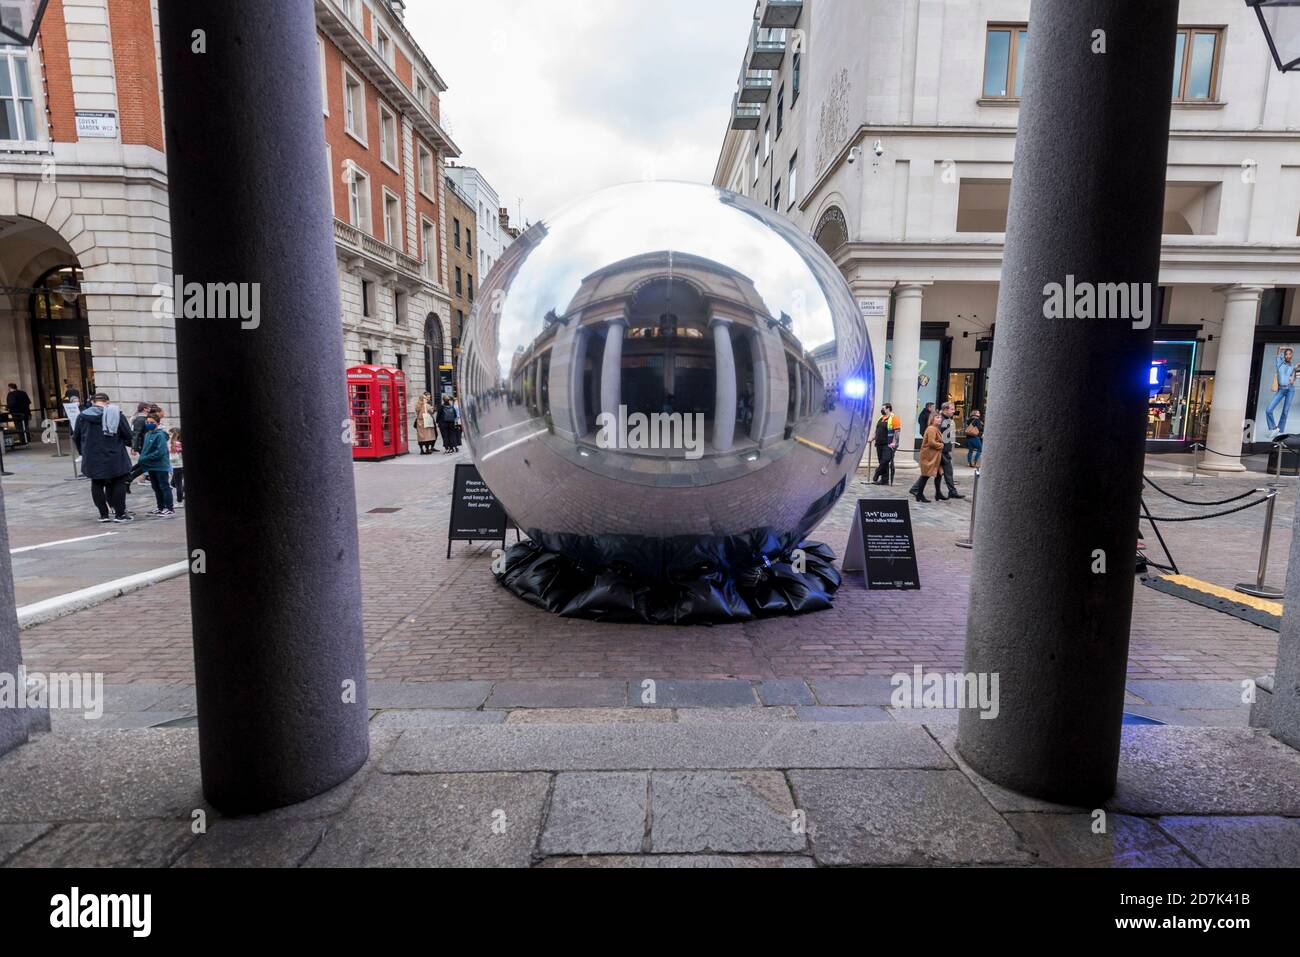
{"points": [[447, 426]]}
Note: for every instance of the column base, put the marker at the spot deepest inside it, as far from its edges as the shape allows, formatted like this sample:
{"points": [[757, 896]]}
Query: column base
{"points": [[1222, 465], [908, 465]]}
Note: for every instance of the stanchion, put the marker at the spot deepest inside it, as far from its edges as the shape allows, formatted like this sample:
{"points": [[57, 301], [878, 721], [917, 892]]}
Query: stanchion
{"points": [[1259, 589], [969, 542], [1277, 472], [1196, 461]]}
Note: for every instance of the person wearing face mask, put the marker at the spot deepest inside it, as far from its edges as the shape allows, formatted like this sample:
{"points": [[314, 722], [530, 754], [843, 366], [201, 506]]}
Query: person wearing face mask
{"points": [[155, 459]]}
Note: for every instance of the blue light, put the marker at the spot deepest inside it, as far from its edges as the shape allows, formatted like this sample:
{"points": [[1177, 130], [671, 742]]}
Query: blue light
{"points": [[1155, 375], [855, 389]]}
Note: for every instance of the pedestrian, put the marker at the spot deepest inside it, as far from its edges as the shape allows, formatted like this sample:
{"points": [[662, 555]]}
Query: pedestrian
{"points": [[931, 459], [19, 404], [948, 428], [102, 437], [974, 439], [447, 417], [426, 424], [177, 455], [923, 420], [886, 441], [156, 461]]}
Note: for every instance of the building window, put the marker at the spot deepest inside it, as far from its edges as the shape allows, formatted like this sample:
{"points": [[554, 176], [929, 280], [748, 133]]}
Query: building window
{"points": [[324, 84], [470, 286], [776, 195], [767, 140], [1196, 65], [353, 9], [400, 301], [388, 136], [794, 179], [456, 223], [358, 198], [469, 244], [426, 172], [17, 108], [427, 245], [367, 298], [384, 46], [368, 357], [422, 94], [354, 106], [460, 284], [1005, 52], [780, 111], [329, 176], [796, 78], [392, 220]]}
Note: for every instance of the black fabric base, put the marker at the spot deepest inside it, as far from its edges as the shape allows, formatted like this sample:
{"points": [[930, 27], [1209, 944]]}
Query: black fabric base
{"points": [[560, 585]]}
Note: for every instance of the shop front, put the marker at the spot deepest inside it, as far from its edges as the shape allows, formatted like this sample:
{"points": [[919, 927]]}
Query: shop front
{"points": [[1179, 395]]}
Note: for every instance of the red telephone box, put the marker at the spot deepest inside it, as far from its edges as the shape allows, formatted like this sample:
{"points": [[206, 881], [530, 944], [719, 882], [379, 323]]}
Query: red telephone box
{"points": [[377, 400]]}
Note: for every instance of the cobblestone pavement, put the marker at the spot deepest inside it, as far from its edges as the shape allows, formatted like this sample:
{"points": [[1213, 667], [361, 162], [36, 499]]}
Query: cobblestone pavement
{"points": [[432, 619], [601, 793]]}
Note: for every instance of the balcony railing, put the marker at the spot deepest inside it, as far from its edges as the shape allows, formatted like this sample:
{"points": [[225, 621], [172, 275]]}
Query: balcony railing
{"points": [[377, 252], [744, 117], [755, 89], [781, 14], [767, 51]]}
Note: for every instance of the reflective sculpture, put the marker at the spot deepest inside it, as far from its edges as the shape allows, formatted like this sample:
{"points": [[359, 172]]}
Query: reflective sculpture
{"points": [[666, 381]]}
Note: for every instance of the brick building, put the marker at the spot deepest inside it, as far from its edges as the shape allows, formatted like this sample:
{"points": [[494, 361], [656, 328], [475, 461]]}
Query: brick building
{"points": [[85, 259], [462, 232]]}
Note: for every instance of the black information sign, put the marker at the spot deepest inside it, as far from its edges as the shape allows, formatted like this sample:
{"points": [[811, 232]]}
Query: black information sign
{"points": [[881, 545], [476, 515]]}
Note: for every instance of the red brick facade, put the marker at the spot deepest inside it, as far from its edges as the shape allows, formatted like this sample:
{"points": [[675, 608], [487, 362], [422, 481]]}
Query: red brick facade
{"points": [[135, 65], [60, 107]]}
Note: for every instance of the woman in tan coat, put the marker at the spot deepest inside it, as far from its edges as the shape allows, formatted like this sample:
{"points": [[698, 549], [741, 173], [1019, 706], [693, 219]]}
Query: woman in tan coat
{"points": [[426, 428], [931, 459]]}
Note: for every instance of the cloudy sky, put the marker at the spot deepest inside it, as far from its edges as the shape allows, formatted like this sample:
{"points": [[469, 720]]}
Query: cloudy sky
{"points": [[553, 100]]}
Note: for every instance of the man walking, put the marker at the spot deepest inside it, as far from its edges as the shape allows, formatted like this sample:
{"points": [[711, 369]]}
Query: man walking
{"points": [[923, 420], [948, 427], [102, 436], [19, 404]]}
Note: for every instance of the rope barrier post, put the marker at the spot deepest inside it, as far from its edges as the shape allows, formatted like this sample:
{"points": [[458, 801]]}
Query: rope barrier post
{"points": [[969, 541], [1260, 589], [1277, 476], [1196, 480]]}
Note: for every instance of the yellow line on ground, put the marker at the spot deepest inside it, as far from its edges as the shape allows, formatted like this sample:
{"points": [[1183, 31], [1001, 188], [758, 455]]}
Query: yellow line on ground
{"points": [[813, 445], [1259, 604]]}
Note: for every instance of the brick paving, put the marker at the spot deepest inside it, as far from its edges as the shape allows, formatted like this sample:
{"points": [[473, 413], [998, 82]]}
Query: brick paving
{"points": [[432, 619]]}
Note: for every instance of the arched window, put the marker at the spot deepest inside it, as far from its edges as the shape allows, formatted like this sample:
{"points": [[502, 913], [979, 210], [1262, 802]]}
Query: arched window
{"points": [[435, 357], [61, 339]]}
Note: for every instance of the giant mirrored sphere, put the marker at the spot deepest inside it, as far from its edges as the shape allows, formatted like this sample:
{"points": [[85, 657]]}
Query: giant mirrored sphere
{"points": [[663, 376]]}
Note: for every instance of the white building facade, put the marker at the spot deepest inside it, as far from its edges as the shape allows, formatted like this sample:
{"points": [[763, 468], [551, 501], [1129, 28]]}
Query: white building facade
{"points": [[490, 239], [887, 129]]}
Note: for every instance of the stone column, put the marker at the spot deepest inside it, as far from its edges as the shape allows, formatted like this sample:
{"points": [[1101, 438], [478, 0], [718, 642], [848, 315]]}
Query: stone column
{"points": [[906, 368], [878, 336], [275, 597], [611, 367], [577, 379], [724, 385], [1052, 583], [1228, 414], [762, 385]]}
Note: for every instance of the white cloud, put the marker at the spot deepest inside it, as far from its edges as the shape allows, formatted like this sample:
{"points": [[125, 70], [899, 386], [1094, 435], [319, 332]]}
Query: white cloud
{"points": [[553, 101]]}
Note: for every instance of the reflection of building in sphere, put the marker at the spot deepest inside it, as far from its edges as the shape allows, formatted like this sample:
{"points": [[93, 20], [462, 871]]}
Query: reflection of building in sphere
{"points": [[685, 313]]}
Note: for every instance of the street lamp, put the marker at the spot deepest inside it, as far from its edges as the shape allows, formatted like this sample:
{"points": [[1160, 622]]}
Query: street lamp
{"points": [[1280, 21]]}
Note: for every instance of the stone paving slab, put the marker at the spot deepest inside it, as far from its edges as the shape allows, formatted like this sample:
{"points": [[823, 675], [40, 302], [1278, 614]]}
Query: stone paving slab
{"points": [[902, 818], [14, 837], [767, 744], [1237, 841], [846, 714], [1179, 771], [600, 812], [1069, 840], [73, 722], [590, 716], [569, 693], [718, 693], [1224, 695], [683, 861], [733, 715], [254, 843], [785, 691], [869, 690], [107, 776], [721, 811], [434, 718], [427, 694], [1002, 799], [118, 844], [441, 820]]}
